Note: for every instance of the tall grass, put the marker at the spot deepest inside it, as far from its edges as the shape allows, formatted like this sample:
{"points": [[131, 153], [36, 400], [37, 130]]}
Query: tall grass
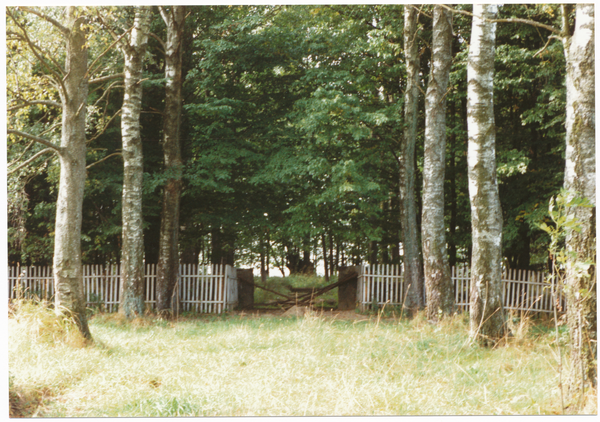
{"points": [[315, 365]]}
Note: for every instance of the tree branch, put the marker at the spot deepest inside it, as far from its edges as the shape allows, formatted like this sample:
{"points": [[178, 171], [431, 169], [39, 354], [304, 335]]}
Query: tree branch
{"points": [[510, 20], [105, 127], [42, 141], [105, 158], [91, 72], [106, 78], [47, 18], [25, 163], [161, 42], [34, 49], [35, 102]]}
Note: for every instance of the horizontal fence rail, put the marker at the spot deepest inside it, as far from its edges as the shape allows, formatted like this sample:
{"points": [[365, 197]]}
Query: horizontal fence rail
{"points": [[522, 290], [206, 289]]}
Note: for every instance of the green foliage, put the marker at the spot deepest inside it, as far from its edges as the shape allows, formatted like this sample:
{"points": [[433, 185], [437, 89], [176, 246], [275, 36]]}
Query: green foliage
{"points": [[291, 130]]}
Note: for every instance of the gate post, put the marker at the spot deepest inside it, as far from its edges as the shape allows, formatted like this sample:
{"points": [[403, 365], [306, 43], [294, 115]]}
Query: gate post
{"points": [[347, 291], [245, 289]]}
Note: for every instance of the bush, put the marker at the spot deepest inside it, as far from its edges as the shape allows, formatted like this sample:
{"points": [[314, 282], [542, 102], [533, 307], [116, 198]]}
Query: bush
{"points": [[44, 324]]}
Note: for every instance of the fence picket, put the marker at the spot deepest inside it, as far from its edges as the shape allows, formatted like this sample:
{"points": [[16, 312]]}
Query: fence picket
{"points": [[522, 289]]}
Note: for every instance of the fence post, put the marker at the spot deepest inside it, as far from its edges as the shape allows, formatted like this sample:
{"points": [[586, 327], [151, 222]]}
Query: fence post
{"points": [[347, 291], [245, 289]]}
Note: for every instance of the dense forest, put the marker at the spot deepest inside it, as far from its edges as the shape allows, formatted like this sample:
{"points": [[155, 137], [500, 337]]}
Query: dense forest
{"points": [[291, 133]]}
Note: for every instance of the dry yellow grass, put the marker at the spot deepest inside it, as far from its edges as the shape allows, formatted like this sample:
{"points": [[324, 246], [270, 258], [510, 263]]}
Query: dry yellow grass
{"points": [[313, 365]]}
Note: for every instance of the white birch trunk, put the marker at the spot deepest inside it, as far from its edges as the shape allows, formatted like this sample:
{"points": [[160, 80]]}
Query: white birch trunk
{"points": [[580, 180], [132, 254], [68, 275], [487, 315], [438, 283], [413, 273]]}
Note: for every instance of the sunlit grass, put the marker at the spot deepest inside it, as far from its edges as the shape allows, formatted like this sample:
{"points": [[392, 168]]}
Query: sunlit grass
{"points": [[239, 365]]}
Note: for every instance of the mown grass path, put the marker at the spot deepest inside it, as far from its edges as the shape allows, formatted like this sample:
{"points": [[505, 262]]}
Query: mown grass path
{"points": [[270, 365]]}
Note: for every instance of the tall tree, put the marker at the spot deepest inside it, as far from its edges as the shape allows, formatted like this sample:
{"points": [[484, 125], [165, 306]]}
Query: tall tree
{"points": [[413, 265], [132, 256], [71, 82], [439, 286], [168, 258], [486, 313], [580, 180]]}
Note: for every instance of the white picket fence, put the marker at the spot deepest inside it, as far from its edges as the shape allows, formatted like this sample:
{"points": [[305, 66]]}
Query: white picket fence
{"points": [[523, 290], [204, 289]]}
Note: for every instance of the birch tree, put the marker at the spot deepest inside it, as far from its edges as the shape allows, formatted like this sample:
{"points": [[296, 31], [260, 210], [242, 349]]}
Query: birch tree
{"points": [[168, 259], [71, 81], [486, 313], [132, 255], [439, 286], [580, 180], [413, 273]]}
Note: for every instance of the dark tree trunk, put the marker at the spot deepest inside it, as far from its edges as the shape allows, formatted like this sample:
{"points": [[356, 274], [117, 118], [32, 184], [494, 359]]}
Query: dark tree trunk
{"points": [[413, 265], [168, 259], [325, 260], [453, 196]]}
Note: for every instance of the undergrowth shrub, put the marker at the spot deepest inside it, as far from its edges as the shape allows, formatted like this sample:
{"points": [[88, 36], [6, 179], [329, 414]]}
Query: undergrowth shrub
{"points": [[44, 324]]}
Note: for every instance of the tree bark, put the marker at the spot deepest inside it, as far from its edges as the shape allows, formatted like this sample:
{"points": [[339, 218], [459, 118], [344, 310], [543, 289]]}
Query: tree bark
{"points": [[168, 259], [325, 260], [438, 283], [413, 265], [487, 315], [132, 255], [68, 271], [580, 180]]}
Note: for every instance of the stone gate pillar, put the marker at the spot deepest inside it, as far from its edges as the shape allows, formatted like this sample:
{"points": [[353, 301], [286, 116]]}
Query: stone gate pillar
{"points": [[347, 291], [245, 290]]}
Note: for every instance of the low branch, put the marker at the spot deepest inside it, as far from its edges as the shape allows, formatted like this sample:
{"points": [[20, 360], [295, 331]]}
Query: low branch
{"points": [[160, 41], [25, 163], [104, 128], [36, 138], [91, 72], [107, 92], [106, 78], [105, 158], [35, 102], [545, 46], [22, 154]]}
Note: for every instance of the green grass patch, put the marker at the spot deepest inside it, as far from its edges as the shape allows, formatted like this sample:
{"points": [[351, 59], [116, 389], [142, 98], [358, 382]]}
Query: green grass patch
{"points": [[260, 366], [285, 284]]}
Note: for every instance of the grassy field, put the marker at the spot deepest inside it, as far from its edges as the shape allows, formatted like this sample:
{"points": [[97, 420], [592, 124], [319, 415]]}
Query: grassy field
{"points": [[271, 365]]}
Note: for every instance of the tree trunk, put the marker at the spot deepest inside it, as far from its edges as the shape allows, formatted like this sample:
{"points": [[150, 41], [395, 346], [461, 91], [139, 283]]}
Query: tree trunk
{"points": [[580, 180], [132, 256], [487, 315], [216, 246], [453, 197], [68, 272], [168, 259], [413, 266], [438, 283], [325, 261]]}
